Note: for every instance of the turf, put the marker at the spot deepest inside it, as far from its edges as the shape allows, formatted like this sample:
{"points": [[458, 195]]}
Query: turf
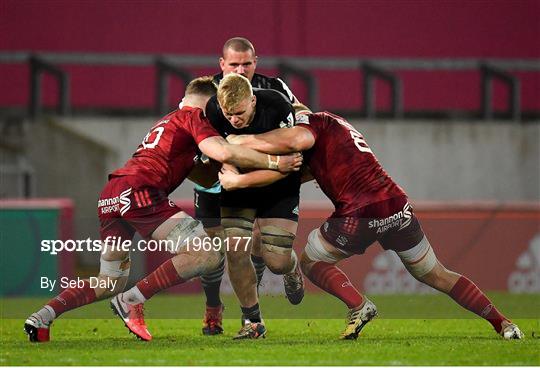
{"points": [[307, 337]]}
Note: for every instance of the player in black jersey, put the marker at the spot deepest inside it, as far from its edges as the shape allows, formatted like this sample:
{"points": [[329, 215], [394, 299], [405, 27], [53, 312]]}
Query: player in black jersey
{"points": [[237, 109], [238, 57]]}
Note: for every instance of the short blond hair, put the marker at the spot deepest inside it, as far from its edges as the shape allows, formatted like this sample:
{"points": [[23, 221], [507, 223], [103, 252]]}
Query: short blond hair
{"points": [[203, 86], [233, 89]]}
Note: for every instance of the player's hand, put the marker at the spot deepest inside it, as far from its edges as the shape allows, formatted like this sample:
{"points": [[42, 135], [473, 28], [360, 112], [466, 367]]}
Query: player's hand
{"points": [[290, 162], [232, 138], [228, 179]]}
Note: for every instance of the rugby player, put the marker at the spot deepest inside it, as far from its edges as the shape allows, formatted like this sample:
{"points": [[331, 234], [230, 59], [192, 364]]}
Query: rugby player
{"points": [[369, 207], [237, 109], [238, 57], [135, 199]]}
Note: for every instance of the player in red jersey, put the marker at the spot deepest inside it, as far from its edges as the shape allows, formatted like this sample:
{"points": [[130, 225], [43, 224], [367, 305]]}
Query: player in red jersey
{"points": [[369, 207], [135, 200]]}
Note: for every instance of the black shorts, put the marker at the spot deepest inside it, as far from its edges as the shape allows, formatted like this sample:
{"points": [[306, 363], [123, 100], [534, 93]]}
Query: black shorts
{"points": [[278, 200], [392, 223], [269, 205], [207, 208]]}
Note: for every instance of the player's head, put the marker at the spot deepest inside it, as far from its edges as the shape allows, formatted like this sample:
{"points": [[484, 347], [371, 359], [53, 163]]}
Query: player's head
{"points": [[236, 99], [202, 86], [199, 91], [238, 57]]}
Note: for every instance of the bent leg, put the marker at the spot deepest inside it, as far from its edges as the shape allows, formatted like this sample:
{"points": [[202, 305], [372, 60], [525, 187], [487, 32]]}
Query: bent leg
{"points": [[422, 263], [114, 269], [188, 262], [277, 236], [318, 264]]}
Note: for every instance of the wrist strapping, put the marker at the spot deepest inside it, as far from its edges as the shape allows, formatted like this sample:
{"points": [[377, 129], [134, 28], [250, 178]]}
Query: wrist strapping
{"points": [[273, 165]]}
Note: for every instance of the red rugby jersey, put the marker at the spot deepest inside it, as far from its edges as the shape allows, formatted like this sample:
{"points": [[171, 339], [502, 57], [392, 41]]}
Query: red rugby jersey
{"points": [[169, 151], [343, 164]]}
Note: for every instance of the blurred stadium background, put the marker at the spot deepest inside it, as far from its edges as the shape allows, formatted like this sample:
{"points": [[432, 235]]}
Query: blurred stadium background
{"points": [[446, 92]]}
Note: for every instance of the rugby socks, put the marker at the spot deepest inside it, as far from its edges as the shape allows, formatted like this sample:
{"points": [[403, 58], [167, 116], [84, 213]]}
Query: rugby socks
{"points": [[251, 314], [68, 299], [470, 297], [162, 278], [133, 296], [211, 283], [260, 267], [47, 314], [332, 280]]}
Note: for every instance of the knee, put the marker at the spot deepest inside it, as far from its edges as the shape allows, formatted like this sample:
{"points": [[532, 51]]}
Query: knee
{"points": [[440, 278], [278, 264], [114, 272], [306, 263], [114, 256], [114, 267], [277, 246], [117, 285], [315, 251]]}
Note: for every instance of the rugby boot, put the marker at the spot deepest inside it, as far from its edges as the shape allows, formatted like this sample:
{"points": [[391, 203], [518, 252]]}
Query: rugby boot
{"points": [[251, 330], [212, 322], [294, 283], [357, 319], [511, 331], [133, 317], [37, 329]]}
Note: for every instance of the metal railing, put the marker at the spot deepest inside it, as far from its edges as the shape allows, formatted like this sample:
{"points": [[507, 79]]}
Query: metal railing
{"points": [[489, 73], [288, 67], [37, 68]]}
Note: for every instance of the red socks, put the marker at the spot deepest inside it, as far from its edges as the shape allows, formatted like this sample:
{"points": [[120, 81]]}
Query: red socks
{"points": [[470, 297], [72, 298], [332, 280], [162, 278]]}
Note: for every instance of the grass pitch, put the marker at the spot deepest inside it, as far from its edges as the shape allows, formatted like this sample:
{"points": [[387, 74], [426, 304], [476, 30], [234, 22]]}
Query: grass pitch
{"points": [[303, 335]]}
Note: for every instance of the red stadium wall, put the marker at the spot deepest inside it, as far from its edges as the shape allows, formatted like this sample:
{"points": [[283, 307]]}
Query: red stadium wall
{"points": [[430, 29], [497, 246]]}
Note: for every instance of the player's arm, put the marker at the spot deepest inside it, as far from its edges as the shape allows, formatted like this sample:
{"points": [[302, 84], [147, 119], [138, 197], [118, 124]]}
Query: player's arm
{"points": [[220, 150], [279, 85], [278, 141], [232, 180], [205, 175]]}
